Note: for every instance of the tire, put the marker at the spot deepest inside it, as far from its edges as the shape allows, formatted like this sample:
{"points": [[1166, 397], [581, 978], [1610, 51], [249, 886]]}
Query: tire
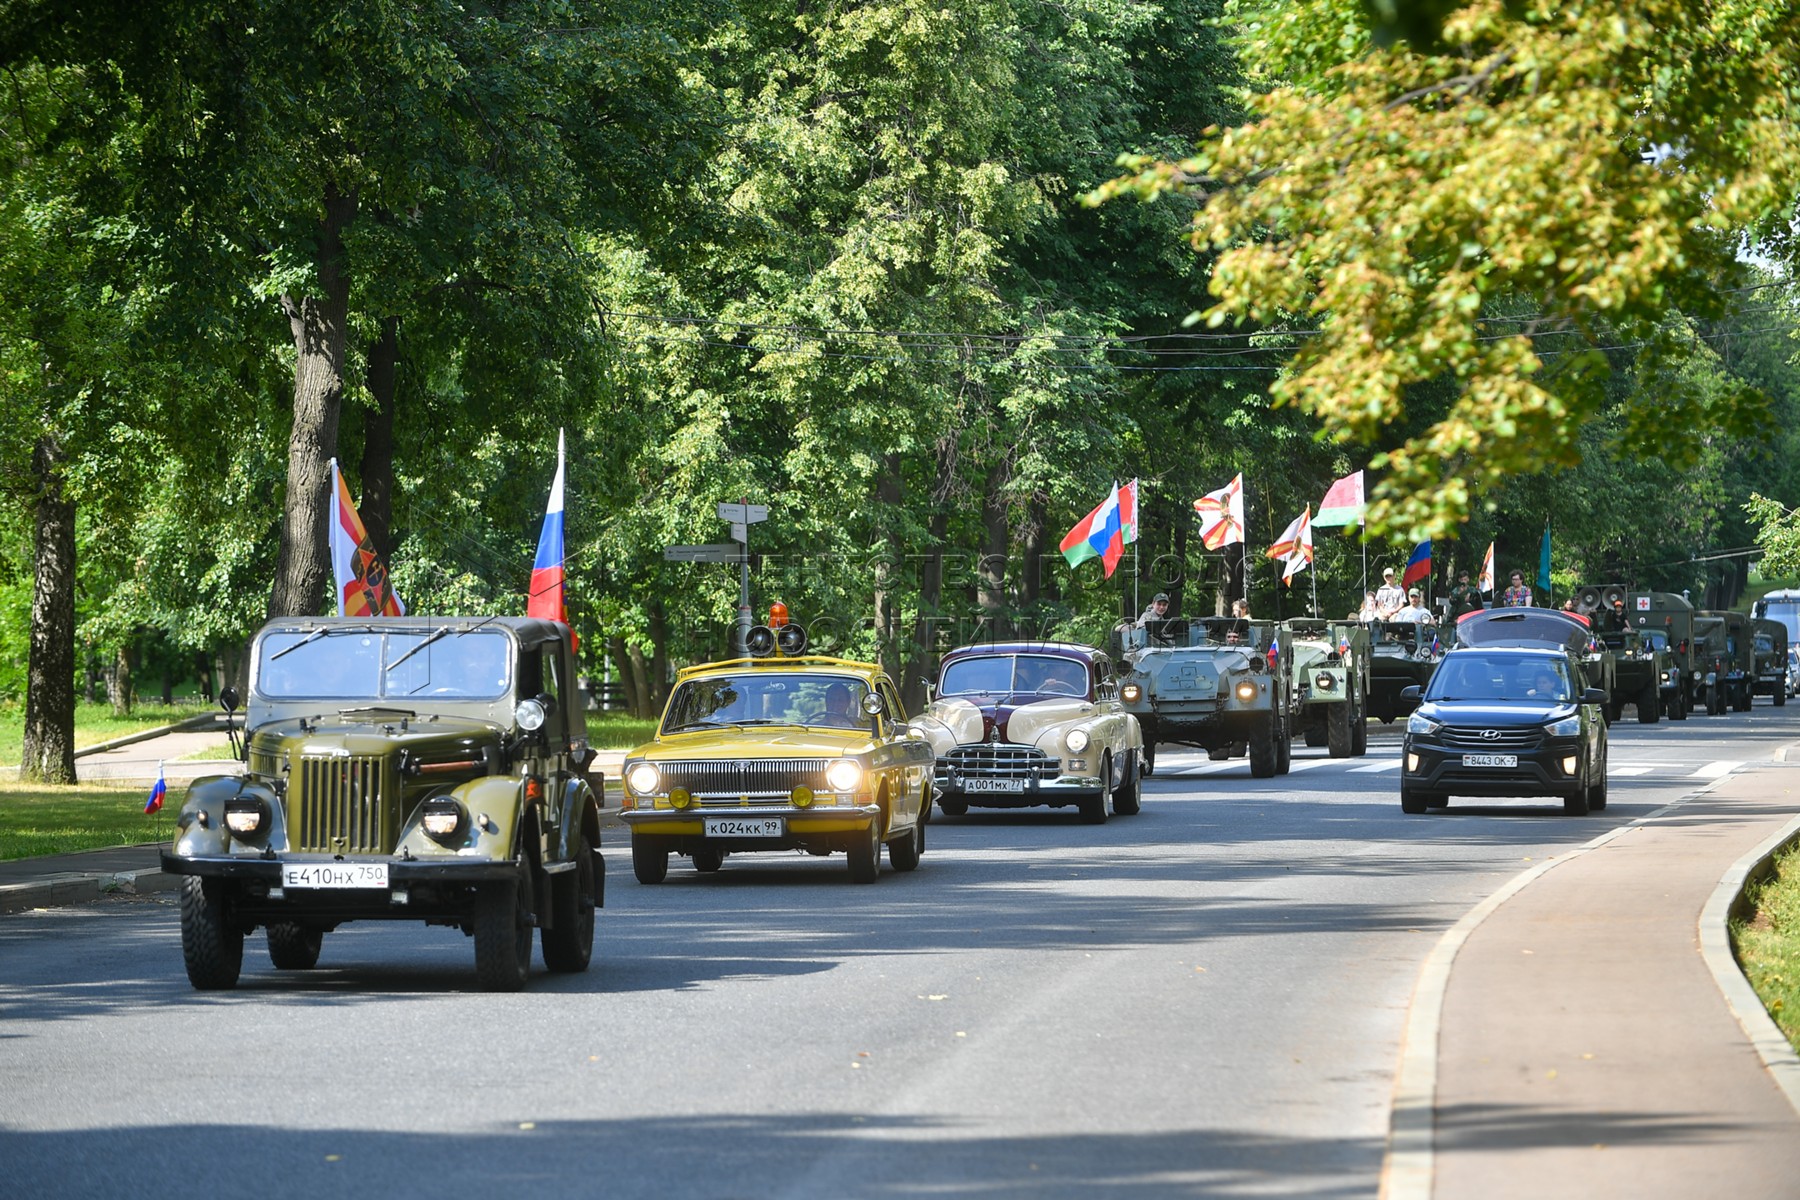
{"points": [[1596, 793], [1359, 733], [212, 947], [1677, 710], [1128, 798], [503, 927], [1575, 804], [1411, 800], [1263, 751], [1340, 738], [1321, 735], [1612, 710], [1436, 800], [1093, 808], [865, 855], [1779, 695], [1746, 698], [953, 808], [708, 859], [1649, 704], [904, 852], [1284, 749], [294, 947], [649, 859], [1149, 767], [1715, 701], [574, 895]]}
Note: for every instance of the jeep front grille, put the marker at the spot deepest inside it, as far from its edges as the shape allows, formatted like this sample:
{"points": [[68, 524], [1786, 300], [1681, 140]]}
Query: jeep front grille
{"points": [[754, 777], [340, 805], [998, 760], [1502, 739]]}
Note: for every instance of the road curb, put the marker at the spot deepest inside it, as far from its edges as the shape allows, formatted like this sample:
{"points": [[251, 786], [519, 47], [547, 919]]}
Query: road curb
{"points": [[132, 739], [1408, 1168]]}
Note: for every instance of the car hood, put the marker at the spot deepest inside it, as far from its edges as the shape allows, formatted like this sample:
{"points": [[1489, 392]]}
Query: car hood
{"points": [[758, 741], [1492, 714], [997, 715]]}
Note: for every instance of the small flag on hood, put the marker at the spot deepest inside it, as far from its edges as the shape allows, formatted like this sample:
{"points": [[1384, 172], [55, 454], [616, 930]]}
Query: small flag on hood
{"points": [[157, 792]]}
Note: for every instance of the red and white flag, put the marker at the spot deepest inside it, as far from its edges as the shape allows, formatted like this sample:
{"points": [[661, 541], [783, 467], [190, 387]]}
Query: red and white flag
{"points": [[1222, 515], [1486, 582], [1295, 546], [363, 586]]}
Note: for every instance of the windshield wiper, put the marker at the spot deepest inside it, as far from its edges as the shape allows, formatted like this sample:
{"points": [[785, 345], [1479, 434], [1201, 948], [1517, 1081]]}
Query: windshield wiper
{"points": [[432, 637], [314, 636]]}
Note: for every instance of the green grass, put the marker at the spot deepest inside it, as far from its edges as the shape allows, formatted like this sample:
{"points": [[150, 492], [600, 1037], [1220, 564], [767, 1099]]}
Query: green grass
{"points": [[37, 819], [1768, 944], [94, 723], [613, 731]]}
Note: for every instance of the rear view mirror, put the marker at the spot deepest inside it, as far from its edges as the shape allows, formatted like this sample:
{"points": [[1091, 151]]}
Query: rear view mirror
{"points": [[1593, 696], [228, 698], [1410, 692]]}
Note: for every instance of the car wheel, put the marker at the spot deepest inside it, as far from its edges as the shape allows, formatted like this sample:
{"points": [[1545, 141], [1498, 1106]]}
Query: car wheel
{"points": [[212, 946], [865, 855], [953, 808], [503, 932], [1575, 803], [708, 859], [649, 859], [1411, 800], [1596, 794], [1129, 797], [294, 947], [1649, 700], [569, 942], [1436, 800], [1263, 750], [1779, 696], [904, 852]]}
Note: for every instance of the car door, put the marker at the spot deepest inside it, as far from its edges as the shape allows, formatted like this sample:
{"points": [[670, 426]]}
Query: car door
{"points": [[914, 752]]}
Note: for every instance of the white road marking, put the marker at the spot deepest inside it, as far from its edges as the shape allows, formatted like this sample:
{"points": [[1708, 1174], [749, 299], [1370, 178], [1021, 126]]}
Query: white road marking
{"points": [[1390, 765], [1307, 764], [1716, 770], [1614, 770]]}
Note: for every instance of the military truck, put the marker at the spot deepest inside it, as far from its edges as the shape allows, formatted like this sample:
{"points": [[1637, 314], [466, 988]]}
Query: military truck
{"points": [[1220, 683], [1646, 675], [1713, 655], [1402, 654], [1735, 672], [1330, 701], [398, 768], [1770, 641], [1665, 621]]}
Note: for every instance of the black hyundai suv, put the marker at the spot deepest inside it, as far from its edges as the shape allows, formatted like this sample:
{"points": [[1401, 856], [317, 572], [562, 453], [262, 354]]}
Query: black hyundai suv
{"points": [[1506, 721]]}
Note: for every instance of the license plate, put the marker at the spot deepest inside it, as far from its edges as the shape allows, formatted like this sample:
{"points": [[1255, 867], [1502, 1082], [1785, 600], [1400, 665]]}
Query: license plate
{"points": [[745, 827], [1490, 760], [993, 785], [334, 875]]}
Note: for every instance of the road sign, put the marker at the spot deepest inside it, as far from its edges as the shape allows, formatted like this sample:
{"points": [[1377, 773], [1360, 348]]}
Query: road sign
{"points": [[740, 532], [715, 552], [744, 514]]}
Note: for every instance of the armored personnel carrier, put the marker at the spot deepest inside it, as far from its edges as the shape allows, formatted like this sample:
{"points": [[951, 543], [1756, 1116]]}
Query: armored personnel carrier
{"points": [[1330, 703], [1220, 683], [1402, 654]]}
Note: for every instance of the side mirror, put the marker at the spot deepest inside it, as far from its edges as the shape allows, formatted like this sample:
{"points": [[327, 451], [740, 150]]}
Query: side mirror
{"points": [[1410, 692], [228, 698], [1593, 696]]}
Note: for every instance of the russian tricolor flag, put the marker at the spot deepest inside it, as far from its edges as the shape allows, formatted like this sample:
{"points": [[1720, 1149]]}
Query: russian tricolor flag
{"points": [[157, 793], [1102, 533], [546, 596], [1418, 567]]}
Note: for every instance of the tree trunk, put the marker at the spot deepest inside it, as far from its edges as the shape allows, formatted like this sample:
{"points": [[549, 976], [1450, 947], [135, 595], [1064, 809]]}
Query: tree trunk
{"points": [[642, 700], [118, 683], [203, 674], [49, 752], [377, 507], [996, 540], [631, 683], [888, 496], [1031, 567], [318, 326], [659, 659]]}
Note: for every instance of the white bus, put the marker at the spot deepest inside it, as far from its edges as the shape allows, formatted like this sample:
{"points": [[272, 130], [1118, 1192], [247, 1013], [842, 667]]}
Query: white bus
{"points": [[1784, 607]]}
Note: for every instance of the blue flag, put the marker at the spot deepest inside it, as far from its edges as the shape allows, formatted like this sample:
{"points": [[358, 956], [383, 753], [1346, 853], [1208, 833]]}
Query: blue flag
{"points": [[1544, 563]]}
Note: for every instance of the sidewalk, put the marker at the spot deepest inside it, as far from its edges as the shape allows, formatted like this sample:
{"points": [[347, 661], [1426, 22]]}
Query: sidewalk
{"points": [[1584, 1045]]}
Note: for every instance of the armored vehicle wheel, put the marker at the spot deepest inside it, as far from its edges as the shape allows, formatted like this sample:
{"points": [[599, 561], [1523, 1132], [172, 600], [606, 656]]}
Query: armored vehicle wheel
{"points": [[708, 859], [1320, 735], [1359, 733], [503, 932], [569, 942], [1264, 752], [1284, 749], [211, 945], [904, 851], [1412, 800], [1649, 701], [649, 859], [953, 808], [1338, 734], [865, 855], [1129, 796], [294, 947]]}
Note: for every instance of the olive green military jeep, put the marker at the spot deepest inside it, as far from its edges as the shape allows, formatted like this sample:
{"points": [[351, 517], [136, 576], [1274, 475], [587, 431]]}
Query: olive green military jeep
{"points": [[430, 769]]}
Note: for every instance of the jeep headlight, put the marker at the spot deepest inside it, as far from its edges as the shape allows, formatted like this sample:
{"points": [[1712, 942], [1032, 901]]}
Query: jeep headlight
{"points": [[644, 778], [1077, 740], [530, 715], [1325, 681], [442, 819], [1131, 693], [245, 816], [844, 775], [1567, 727], [1246, 690], [1420, 723]]}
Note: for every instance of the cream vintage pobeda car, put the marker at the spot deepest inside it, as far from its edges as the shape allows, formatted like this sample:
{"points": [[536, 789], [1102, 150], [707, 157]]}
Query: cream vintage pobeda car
{"points": [[1031, 724]]}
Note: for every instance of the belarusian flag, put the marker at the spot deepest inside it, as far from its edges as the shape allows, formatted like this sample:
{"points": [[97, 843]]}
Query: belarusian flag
{"points": [[1344, 503], [1128, 510]]}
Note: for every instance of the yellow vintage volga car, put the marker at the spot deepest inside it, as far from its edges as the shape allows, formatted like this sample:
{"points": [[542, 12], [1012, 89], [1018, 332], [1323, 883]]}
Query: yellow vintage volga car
{"points": [[804, 753]]}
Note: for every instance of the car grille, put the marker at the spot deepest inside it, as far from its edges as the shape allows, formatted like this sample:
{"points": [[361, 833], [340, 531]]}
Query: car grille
{"points": [[744, 777], [342, 805], [998, 760], [1505, 739]]}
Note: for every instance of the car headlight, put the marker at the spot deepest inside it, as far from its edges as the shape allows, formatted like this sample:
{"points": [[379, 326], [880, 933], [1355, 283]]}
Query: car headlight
{"points": [[1420, 723], [844, 775], [1131, 693], [244, 816], [442, 819], [644, 778], [529, 715], [1077, 740], [1567, 727], [1325, 681]]}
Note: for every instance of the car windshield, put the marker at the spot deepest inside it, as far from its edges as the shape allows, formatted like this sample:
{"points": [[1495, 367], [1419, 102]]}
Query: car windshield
{"points": [[1011, 674], [768, 698], [1656, 639], [370, 664], [1502, 677]]}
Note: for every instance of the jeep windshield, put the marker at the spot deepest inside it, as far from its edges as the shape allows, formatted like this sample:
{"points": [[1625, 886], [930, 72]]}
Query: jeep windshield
{"points": [[767, 698], [1528, 679], [373, 664], [993, 676]]}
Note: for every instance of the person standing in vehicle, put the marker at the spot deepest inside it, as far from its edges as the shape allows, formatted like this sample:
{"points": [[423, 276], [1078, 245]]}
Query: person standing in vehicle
{"points": [[1464, 597], [1389, 598], [1518, 595], [1158, 610]]}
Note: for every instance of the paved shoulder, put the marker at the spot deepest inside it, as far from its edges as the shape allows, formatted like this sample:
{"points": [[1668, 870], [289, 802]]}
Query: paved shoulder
{"points": [[1584, 1047]]}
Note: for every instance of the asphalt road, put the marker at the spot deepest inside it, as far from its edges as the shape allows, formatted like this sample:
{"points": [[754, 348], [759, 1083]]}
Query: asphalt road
{"points": [[1205, 999]]}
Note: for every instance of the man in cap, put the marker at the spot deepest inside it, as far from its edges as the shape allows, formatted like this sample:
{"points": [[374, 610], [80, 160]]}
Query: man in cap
{"points": [[1157, 611], [1389, 599], [1415, 609]]}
